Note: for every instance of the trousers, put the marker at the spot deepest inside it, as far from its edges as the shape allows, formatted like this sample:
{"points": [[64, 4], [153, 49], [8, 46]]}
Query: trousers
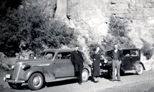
{"points": [[80, 67], [116, 69]]}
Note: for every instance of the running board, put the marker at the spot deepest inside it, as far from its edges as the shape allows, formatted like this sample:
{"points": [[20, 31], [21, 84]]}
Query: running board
{"points": [[129, 71], [61, 79]]}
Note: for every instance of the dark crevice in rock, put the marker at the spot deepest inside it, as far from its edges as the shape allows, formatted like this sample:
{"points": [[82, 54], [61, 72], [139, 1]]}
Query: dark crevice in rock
{"points": [[54, 10], [113, 3]]}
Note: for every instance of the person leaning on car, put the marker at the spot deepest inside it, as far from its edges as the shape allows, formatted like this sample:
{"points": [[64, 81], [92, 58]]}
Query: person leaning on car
{"points": [[77, 60], [116, 56]]}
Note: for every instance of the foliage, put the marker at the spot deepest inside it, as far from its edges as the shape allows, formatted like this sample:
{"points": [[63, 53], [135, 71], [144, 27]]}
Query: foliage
{"points": [[117, 34], [35, 28], [146, 50]]}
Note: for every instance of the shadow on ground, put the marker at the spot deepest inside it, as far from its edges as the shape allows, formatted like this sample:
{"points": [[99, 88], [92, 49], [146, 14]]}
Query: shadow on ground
{"points": [[106, 76], [59, 83]]}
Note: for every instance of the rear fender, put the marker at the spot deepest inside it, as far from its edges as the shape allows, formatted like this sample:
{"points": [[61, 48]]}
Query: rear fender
{"points": [[87, 68], [139, 62], [142, 65]]}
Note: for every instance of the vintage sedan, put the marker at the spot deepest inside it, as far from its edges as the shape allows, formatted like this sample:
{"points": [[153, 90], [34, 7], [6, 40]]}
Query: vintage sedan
{"points": [[53, 65], [130, 61]]}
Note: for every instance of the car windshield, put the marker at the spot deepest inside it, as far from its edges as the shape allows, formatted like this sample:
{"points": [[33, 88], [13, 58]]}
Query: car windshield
{"points": [[126, 53], [47, 55], [134, 53]]}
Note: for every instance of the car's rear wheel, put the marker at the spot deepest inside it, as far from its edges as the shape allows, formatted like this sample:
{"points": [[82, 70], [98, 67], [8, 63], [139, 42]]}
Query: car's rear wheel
{"points": [[36, 81], [15, 85], [85, 75], [139, 69]]}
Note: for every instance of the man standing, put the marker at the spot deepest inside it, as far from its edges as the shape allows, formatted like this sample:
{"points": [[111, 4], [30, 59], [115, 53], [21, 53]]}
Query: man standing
{"points": [[116, 63], [77, 59]]}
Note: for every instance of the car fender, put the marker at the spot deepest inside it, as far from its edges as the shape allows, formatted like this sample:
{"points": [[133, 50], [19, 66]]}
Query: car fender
{"points": [[48, 77], [142, 65], [139, 62], [87, 67]]}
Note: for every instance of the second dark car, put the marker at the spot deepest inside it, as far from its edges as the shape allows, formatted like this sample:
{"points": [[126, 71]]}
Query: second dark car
{"points": [[130, 61]]}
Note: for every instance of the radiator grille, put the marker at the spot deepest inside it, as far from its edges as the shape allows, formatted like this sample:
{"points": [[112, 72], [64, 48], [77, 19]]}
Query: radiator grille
{"points": [[16, 71]]}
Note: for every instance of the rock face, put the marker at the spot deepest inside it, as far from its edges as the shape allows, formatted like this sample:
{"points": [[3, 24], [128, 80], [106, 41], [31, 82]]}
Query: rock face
{"points": [[92, 17]]}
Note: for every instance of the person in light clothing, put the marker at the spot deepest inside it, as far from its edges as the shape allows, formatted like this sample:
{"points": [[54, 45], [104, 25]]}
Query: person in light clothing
{"points": [[116, 56]]}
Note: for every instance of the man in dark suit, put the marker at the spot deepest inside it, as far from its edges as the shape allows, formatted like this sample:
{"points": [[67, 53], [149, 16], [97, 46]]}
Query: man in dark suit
{"points": [[77, 60], [116, 56]]}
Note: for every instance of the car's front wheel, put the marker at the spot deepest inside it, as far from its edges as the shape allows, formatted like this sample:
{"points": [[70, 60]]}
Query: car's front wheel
{"points": [[15, 85], [85, 75], [36, 81], [139, 69]]}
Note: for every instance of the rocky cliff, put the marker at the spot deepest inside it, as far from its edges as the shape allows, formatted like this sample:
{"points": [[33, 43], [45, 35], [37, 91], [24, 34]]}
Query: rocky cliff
{"points": [[91, 18]]}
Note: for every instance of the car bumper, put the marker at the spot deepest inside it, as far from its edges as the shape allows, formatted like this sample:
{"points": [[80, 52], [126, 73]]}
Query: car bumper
{"points": [[13, 81]]}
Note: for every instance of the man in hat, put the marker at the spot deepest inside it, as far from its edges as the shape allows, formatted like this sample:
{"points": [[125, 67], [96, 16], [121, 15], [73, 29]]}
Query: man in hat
{"points": [[77, 59]]}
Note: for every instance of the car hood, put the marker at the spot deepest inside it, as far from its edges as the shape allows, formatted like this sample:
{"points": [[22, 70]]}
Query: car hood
{"points": [[36, 62]]}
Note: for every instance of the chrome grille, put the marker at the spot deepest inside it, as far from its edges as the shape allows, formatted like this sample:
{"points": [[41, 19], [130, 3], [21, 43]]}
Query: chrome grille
{"points": [[16, 71]]}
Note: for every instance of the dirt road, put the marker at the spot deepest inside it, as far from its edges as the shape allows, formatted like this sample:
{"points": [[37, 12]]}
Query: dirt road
{"points": [[129, 83]]}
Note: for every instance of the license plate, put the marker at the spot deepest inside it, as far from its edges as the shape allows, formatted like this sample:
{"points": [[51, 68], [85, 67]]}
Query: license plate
{"points": [[8, 76]]}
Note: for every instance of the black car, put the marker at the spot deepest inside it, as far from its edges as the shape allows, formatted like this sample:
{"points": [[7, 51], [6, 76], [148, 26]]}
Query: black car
{"points": [[130, 61]]}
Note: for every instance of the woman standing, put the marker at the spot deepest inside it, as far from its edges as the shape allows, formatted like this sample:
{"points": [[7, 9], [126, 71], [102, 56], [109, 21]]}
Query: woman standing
{"points": [[96, 65]]}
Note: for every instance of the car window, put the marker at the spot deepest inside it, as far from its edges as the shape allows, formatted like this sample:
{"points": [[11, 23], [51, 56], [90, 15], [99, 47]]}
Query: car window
{"points": [[126, 53], [41, 55], [134, 53], [108, 54], [49, 55], [63, 55]]}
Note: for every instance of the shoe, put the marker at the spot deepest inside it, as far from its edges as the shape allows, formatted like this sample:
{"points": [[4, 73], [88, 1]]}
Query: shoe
{"points": [[80, 83], [95, 81], [113, 80], [119, 80]]}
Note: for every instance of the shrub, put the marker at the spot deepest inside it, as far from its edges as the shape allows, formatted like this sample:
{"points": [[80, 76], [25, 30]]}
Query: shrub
{"points": [[35, 28], [117, 34], [146, 50]]}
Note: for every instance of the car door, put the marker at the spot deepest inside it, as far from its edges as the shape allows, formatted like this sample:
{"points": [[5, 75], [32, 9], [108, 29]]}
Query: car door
{"points": [[63, 66], [135, 57], [126, 60]]}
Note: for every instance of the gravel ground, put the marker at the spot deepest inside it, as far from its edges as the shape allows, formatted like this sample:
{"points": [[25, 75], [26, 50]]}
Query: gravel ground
{"points": [[142, 86], [130, 83]]}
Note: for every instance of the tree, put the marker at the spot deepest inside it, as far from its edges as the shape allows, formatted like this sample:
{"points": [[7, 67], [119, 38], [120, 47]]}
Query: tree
{"points": [[117, 34], [37, 29]]}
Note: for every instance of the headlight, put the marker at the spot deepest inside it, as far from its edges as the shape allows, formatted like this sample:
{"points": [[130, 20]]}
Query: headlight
{"points": [[25, 66], [12, 67], [105, 60]]}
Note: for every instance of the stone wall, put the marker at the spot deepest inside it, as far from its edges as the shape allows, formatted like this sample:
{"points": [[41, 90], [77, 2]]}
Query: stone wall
{"points": [[133, 9], [93, 16]]}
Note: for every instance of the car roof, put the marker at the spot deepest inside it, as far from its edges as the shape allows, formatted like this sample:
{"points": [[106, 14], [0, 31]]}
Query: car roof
{"points": [[58, 50], [125, 49], [129, 49]]}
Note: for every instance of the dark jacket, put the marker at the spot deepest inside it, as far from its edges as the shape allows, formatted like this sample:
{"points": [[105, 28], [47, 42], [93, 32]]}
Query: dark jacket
{"points": [[77, 59], [118, 55]]}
